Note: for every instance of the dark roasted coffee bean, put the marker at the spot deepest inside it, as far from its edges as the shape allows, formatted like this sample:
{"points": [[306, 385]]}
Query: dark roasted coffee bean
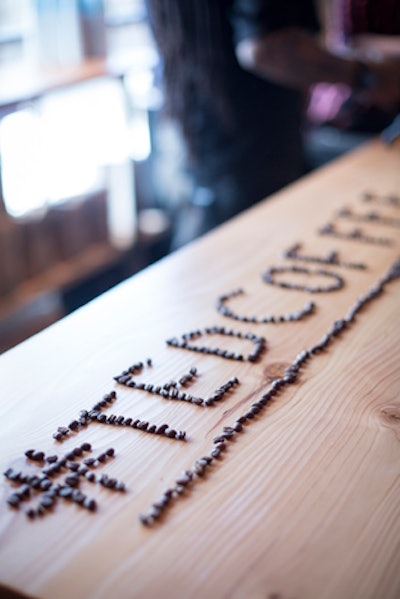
{"points": [[221, 446], [72, 480], [155, 512], [73, 466], [218, 439], [8, 473], [89, 504], [25, 491], [35, 482], [161, 429], [183, 480], [47, 501], [144, 519], [78, 496], [38, 456], [66, 492], [13, 500], [45, 484]]}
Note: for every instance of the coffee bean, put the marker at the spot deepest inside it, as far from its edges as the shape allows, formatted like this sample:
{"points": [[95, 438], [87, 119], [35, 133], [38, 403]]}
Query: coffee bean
{"points": [[89, 504], [215, 453], [35, 482], [183, 480], [37, 456], [73, 466], [218, 439], [25, 491], [47, 501], [199, 469], [221, 446], [155, 512], [144, 519], [78, 496], [72, 480], [66, 492], [13, 500], [45, 484]]}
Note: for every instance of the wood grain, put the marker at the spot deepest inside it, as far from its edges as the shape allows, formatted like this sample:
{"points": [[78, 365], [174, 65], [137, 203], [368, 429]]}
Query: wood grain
{"points": [[305, 502]]}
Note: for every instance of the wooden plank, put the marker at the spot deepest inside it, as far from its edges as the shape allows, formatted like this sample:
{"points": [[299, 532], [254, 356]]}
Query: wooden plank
{"points": [[305, 501]]}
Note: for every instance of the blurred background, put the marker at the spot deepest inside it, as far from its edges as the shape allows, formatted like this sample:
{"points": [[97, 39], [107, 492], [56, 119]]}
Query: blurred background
{"points": [[85, 163], [91, 175]]}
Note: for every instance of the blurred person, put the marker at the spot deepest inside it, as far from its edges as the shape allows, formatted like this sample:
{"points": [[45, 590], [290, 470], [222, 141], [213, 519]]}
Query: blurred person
{"points": [[368, 28], [236, 73]]}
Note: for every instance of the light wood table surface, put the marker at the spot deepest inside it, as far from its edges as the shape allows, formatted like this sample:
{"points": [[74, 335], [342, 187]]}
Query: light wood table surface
{"points": [[305, 501]]}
